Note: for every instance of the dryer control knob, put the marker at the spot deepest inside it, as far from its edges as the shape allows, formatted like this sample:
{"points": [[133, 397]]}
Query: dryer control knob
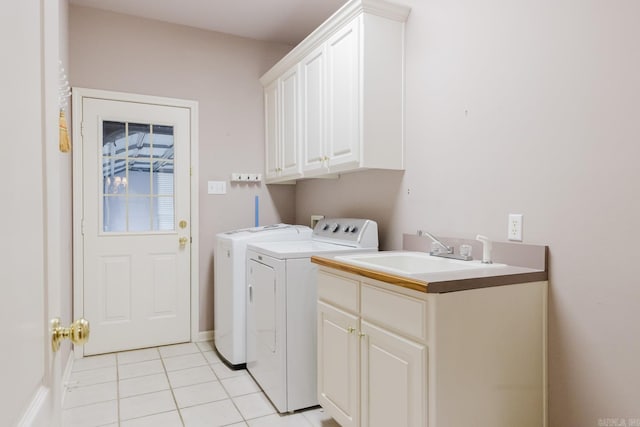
{"points": [[354, 228], [335, 227]]}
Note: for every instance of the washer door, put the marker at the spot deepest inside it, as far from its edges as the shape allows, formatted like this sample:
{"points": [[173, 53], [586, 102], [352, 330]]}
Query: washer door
{"points": [[266, 327]]}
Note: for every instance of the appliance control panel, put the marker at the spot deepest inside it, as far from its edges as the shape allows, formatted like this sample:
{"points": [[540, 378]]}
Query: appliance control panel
{"points": [[354, 232]]}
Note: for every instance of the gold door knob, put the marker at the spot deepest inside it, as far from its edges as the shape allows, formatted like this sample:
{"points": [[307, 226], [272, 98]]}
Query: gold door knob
{"points": [[183, 241], [182, 224], [78, 333]]}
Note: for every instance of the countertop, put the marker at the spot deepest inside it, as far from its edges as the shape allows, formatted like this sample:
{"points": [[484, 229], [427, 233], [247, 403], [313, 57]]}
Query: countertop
{"points": [[451, 281]]}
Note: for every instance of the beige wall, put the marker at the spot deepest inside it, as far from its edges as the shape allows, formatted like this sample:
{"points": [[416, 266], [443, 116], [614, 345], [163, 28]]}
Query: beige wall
{"points": [[526, 107], [116, 52], [533, 108]]}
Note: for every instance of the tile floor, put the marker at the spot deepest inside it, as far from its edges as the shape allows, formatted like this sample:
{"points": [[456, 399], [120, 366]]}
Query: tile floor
{"points": [[178, 385]]}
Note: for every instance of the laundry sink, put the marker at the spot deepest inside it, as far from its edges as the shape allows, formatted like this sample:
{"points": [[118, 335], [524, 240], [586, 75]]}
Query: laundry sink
{"points": [[411, 263]]}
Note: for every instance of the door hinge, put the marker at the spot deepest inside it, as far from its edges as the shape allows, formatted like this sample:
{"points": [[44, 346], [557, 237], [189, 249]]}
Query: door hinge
{"points": [[82, 128], [82, 226], [190, 239]]}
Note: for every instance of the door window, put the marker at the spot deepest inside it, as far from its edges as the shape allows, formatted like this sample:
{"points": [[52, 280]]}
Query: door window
{"points": [[138, 179]]}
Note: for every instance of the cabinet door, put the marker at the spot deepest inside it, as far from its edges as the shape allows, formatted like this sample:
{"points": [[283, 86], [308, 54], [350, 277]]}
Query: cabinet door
{"points": [[338, 378], [290, 124], [312, 76], [272, 163], [393, 379], [343, 92]]}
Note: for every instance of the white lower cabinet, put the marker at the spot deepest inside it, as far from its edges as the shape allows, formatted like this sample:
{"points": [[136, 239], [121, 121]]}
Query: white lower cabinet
{"points": [[367, 374], [393, 379], [390, 356], [338, 364]]}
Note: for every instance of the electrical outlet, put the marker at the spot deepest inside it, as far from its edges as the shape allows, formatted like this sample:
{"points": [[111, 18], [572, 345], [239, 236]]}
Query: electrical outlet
{"points": [[315, 219], [515, 227]]}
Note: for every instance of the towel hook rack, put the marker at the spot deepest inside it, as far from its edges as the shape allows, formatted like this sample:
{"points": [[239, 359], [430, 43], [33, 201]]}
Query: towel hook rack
{"points": [[64, 90]]}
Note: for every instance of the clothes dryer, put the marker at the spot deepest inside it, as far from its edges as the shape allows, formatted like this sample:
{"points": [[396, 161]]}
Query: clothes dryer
{"points": [[230, 285], [281, 308]]}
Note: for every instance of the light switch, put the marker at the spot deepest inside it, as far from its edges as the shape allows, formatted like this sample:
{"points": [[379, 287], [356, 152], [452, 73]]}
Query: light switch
{"points": [[217, 187]]}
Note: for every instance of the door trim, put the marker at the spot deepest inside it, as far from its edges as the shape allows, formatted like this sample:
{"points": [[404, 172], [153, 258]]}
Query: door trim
{"points": [[78, 242]]}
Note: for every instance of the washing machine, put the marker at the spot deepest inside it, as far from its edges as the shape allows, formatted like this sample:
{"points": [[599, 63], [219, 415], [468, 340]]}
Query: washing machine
{"points": [[230, 285], [281, 308]]}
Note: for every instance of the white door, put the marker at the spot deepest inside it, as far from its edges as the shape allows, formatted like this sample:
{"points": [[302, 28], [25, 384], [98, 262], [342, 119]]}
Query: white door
{"points": [[272, 130], [312, 75], [393, 379], [29, 370], [290, 124], [136, 224], [338, 362], [343, 86]]}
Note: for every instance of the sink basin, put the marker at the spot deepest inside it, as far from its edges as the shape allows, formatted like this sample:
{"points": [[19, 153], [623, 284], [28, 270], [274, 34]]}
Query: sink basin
{"points": [[412, 263]]}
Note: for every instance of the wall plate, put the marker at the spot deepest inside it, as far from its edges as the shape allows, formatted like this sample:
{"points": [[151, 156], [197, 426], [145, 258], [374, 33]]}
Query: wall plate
{"points": [[216, 187], [315, 219], [514, 233]]}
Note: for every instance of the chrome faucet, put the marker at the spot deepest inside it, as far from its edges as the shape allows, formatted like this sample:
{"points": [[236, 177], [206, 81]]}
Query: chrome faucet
{"points": [[447, 251]]}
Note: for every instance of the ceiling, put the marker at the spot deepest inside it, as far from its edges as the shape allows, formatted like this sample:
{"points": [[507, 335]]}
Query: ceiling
{"points": [[281, 21]]}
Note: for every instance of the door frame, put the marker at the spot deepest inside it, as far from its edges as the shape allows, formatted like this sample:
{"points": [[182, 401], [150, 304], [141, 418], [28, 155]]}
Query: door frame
{"points": [[78, 202]]}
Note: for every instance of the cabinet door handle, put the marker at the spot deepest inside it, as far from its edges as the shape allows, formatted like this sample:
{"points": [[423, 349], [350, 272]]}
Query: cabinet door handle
{"points": [[361, 335], [351, 330]]}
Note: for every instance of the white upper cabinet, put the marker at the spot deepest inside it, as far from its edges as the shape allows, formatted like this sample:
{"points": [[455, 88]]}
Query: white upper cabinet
{"points": [[343, 140], [313, 71], [271, 130], [282, 127], [342, 108], [290, 124]]}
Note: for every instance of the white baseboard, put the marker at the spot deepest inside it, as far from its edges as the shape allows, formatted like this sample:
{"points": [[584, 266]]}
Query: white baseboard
{"points": [[38, 411], [204, 336]]}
